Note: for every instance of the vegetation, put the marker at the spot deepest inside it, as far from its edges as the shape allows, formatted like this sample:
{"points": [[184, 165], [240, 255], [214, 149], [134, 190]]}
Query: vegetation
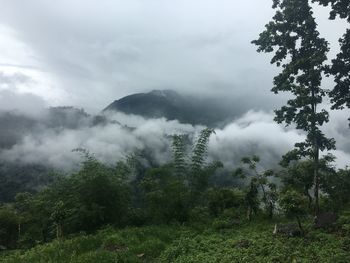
{"points": [[340, 94], [175, 212], [172, 213], [301, 53], [251, 242]]}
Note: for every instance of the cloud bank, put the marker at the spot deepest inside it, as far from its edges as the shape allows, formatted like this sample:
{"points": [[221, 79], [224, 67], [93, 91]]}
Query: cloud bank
{"points": [[253, 133]]}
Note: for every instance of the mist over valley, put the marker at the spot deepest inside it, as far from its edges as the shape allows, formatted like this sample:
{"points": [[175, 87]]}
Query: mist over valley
{"points": [[174, 131]]}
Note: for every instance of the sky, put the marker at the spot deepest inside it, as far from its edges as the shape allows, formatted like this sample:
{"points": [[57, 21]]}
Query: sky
{"points": [[87, 53]]}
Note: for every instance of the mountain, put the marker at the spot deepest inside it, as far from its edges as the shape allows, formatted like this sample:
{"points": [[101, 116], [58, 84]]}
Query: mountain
{"points": [[172, 106], [15, 126], [17, 175]]}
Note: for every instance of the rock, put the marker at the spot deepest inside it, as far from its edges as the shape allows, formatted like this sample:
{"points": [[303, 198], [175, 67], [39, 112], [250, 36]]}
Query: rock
{"points": [[290, 230], [3, 247], [325, 220], [115, 248], [235, 222], [243, 243]]}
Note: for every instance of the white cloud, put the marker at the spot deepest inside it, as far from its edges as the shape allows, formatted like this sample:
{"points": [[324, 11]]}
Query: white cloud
{"points": [[100, 51], [253, 133], [88, 53]]}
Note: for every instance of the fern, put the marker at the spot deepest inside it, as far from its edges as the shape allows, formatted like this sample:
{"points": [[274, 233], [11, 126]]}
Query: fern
{"points": [[179, 153], [200, 150]]}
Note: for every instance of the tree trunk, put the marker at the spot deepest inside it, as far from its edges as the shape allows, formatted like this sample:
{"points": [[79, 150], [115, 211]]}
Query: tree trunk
{"points": [[267, 205], [317, 182], [270, 210], [59, 231], [19, 231], [249, 213], [264, 193], [309, 197], [300, 227], [315, 149]]}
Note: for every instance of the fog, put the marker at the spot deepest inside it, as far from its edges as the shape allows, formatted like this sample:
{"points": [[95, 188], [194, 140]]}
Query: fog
{"points": [[89, 53], [120, 135]]}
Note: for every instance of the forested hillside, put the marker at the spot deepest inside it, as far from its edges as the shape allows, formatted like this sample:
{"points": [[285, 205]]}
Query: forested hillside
{"points": [[146, 205], [200, 220]]}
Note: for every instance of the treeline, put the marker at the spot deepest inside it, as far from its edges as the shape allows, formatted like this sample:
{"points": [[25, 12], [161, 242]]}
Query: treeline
{"points": [[131, 194]]}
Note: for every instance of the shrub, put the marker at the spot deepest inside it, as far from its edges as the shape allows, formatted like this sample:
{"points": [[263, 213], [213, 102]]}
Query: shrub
{"points": [[8, 227]]}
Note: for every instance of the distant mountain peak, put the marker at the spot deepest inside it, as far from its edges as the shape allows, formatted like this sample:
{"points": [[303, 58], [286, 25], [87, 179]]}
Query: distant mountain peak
{"points": [[164, 93], [170, 105]]}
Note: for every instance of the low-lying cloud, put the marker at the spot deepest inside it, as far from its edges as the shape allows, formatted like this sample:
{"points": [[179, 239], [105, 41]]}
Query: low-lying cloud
{"points": [[253, 133]]}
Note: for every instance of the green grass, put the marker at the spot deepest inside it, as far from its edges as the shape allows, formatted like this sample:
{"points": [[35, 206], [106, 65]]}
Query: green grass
{"points": [[256, 243], [251, 242]]}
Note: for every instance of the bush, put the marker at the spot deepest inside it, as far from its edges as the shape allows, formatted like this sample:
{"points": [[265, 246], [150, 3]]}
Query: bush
{"points": [[166, 196], [221, 199], [199, 215], [221, 223], [294, 205], [8, 227]]}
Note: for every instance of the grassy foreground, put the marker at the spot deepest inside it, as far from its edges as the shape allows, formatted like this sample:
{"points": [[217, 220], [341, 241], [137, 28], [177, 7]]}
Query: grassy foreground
{"points": [[251, 242]]}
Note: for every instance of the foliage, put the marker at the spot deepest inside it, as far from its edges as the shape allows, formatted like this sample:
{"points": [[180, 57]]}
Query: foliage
{"points": [[17, 178], [108, 245], [89, 215], [133, 194], [8, 227], [191, 167], [340, 67], [200, 149], [221, 199], [252, 199], [258, 180], [340, 8], [297, 47], [337, 185], [167, 197], [294, 205], [179, 152], [253, 242], [340, 94], [198, 172], [299, 176], [95, 196], [199, 216]]}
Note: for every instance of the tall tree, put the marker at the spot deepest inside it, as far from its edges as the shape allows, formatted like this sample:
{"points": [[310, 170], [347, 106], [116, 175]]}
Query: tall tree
{"points": [[340, 8], [293, 37], [340, 67]]}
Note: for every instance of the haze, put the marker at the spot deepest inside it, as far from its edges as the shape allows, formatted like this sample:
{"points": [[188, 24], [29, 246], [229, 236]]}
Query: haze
{"points": [[88, 53]]}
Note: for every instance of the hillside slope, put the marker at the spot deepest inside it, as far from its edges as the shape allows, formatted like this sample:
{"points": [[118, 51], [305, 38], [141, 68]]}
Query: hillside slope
{"points": [[253, 242]]}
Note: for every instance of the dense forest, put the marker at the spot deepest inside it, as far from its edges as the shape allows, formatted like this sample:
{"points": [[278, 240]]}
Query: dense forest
{"points": [[181, 198], [183, 211]]}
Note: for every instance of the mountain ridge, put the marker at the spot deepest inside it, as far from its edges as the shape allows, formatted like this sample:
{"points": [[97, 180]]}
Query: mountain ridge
{"points": [[172, 106]]}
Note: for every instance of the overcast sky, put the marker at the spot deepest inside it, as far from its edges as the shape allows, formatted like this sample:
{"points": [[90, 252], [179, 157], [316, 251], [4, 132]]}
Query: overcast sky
{"points": [[88, 53]]}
